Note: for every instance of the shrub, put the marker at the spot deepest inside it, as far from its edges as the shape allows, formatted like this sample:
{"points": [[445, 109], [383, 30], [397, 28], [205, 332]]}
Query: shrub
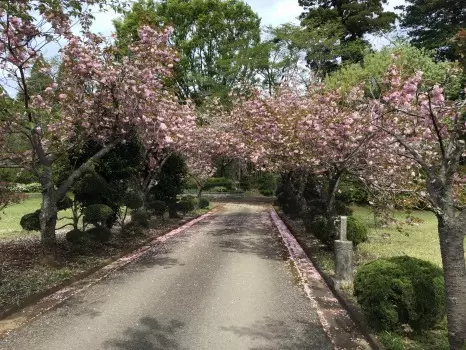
{"points": [[140, 217], [203, 203], [320, 228], [221, 189], [342, 209], [33, 187], [97, 214], [65, 203], [31, 221], [401, 290], [158, 208], [186, 204], [218, 182], [100, 233], [77, 236], [356, 231], [133, 200], [267, 185], [133, 229]]}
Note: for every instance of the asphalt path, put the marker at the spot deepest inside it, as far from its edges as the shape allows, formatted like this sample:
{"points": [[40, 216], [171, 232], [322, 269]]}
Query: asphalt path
{"points": [[224, 283]]}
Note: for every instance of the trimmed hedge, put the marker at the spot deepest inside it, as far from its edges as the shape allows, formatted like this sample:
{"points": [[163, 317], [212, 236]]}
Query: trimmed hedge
{"points": [[158, 208], [203, 203], [97, 214], [401, 290], [100, 234], [218, 182], [140, 218], [31, 221], [77, 236], [33, 187], [356, 231], [133, 200], [186, 204]]}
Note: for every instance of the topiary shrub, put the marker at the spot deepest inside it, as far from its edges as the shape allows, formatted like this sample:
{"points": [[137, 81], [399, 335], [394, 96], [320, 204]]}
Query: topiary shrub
{"points": [[401, 290], [203, 203], [100, 234], [186, 205], [77, 236], [133, 229], [141, 218], [97, 214], [218, 182], [158, 208], [219, 189], [133, 200], [320, 228], [65, 203], [31, 221], [356, 231]]}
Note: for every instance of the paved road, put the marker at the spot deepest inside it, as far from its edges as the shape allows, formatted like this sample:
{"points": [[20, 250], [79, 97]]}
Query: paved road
{"points": [[221, 284]]}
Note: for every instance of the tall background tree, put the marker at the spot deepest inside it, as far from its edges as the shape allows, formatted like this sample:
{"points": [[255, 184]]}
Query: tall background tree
{"points": [[215, 39], [352, 19], [432, 23]]}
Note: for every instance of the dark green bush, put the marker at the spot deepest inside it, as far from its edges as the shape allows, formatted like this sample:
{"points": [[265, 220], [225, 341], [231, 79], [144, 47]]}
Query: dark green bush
{"points": [[100, 234], [401, 290], [219, 189], [77, 236], [353, 191], [342, 209], [203, 203], [133, 229], [140, 217], [158, 208], [133, 200], [356, 231], [31, 221], [186, 205], [65, 203], [218, 182], [267, 185], [97, 214], [320, 228]]}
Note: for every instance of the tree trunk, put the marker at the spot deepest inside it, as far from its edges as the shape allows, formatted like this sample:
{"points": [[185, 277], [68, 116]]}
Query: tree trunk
{"points": [[330, 210], [48, 213], [199, 191], [451, 234]]}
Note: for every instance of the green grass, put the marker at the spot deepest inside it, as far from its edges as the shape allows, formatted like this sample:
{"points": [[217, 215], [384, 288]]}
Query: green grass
{"points": [[9, 219], [419, 241]]}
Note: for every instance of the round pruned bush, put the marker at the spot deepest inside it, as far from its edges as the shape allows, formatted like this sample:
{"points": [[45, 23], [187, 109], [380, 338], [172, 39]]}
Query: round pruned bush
{"points": [[100, 233], [65, 203], [203, 203], [76, 236], [97, 214], [219, 189], [320, 227], [132, 229], [140, 217], [133, 200], [186, 205], [356, 231], [401, 290], [31, 221], [158, 208]]}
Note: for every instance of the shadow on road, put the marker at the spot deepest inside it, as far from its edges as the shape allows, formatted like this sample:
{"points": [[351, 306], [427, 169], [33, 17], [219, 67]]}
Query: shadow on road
{"points": [[149, 334], [280, 335]]}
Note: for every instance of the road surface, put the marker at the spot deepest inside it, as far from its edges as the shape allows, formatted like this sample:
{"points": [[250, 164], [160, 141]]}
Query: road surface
{"points": [[223, 283]]}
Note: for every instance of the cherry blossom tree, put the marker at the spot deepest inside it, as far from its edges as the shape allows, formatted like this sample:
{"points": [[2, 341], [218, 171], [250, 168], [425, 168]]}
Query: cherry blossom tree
{"points": [[96, 96], [421, 151]]}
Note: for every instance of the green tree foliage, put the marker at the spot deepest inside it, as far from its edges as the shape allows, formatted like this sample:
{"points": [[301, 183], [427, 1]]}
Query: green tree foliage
{"points": [[215, 39], [170, 183], [432, 23], [372, 69], [352, 19]]}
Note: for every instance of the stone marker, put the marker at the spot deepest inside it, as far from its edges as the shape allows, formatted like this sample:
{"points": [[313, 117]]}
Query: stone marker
{"points": [[343, 255]]}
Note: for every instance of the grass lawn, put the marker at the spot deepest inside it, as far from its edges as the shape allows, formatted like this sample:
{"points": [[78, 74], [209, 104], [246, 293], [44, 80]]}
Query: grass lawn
{"points": [[419, 241], [9, 219]]}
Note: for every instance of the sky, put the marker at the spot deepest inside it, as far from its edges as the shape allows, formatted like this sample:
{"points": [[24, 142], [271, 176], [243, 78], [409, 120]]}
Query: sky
{"points": [[272, 12]]}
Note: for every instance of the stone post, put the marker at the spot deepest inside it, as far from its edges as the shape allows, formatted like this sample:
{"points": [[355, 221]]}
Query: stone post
{"points": [[343, 255]]}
